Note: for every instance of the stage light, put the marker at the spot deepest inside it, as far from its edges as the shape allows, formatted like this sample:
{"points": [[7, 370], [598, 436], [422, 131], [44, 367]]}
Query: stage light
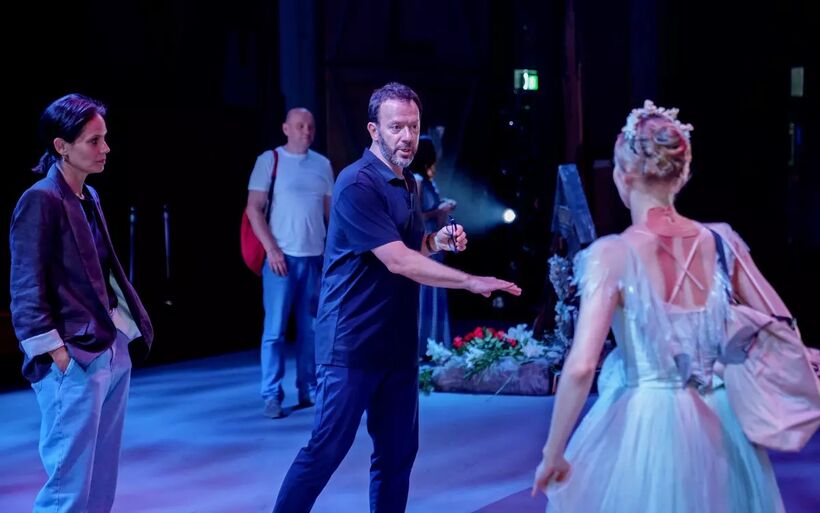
{"points": [[509, 216]]}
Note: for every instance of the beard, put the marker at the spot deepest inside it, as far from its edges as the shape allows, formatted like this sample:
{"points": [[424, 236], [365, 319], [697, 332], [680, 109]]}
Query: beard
{"points": [[390, 154]]}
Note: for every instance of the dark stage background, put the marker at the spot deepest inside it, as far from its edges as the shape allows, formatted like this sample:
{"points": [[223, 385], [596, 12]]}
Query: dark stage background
{"points": [[196, 91]]}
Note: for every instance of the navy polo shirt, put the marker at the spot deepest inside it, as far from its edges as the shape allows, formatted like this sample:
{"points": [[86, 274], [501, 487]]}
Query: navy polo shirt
{"points": [[368, 316]]}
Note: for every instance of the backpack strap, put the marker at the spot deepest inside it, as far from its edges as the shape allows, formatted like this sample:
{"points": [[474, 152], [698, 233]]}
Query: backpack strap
{"points": [[269, 206], [790, 321], [724, 265]]}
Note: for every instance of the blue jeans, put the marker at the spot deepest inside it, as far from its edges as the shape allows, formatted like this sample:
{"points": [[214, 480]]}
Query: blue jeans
{"points": [[300, 290], [83, 411], [391, 399]]}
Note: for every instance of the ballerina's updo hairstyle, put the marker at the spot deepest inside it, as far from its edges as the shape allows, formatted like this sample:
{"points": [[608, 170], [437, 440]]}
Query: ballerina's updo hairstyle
{"points": [[655, 145]]}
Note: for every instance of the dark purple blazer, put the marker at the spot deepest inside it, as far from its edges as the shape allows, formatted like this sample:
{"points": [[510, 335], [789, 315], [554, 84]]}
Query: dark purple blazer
{"points": [[57, 287]]}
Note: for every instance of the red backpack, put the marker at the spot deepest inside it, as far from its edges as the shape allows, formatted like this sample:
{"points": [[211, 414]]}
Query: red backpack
{"points": [[252, 251]]}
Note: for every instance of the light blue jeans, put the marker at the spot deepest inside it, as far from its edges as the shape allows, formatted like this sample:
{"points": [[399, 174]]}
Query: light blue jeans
{"points": [[81, 431], [298, 290]]}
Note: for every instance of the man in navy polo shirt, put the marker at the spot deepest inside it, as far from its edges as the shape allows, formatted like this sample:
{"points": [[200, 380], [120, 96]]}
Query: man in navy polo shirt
{"points": [[366, 329]]}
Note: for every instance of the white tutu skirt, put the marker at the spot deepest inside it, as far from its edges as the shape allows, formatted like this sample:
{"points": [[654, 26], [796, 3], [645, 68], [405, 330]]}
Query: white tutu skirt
{"points": [[657, 449]]}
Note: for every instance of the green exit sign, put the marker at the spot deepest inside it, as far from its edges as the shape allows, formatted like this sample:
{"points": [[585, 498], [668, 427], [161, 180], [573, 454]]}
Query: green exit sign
{"points": [[526, 80]]}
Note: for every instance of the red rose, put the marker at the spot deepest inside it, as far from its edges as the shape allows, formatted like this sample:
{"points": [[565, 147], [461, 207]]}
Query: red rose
{"points": [[492, 331], [502, 334], [478, 332], [512, 342], [458, 342], [468, 337]]}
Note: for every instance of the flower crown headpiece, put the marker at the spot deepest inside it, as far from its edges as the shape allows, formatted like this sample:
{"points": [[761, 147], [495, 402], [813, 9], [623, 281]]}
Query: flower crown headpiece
{"points": [[630, 130]]}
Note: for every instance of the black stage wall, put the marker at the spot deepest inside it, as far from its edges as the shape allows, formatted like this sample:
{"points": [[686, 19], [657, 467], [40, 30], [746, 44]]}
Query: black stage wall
{"points": [[195, 92]]}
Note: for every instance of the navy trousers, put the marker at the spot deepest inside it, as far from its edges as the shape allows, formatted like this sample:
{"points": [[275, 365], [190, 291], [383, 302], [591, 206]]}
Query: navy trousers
{"points": [[390, 398]]}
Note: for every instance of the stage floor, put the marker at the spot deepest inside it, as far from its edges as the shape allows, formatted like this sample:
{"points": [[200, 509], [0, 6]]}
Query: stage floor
{"points": [[196, 442]]}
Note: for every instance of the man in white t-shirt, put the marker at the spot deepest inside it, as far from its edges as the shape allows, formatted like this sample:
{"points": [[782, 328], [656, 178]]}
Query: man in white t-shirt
{"points": [[293, 237]]}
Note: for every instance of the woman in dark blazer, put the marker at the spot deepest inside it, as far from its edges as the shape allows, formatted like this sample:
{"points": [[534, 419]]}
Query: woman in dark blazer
{"points": [[74, 312]]}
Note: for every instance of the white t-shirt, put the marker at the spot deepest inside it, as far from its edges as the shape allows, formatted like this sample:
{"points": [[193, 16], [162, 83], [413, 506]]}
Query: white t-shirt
{"points": [[302, 182]]}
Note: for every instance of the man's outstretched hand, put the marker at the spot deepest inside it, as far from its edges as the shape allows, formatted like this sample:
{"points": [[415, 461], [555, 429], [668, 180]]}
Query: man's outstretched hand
{"points": [[485, 285]]}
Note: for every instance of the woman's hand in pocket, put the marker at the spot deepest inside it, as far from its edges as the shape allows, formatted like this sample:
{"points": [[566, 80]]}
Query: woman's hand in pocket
{"points": [[61, 358]]}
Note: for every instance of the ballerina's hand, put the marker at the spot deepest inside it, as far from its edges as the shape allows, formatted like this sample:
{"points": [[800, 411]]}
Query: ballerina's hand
{"points": [[554, 470]]}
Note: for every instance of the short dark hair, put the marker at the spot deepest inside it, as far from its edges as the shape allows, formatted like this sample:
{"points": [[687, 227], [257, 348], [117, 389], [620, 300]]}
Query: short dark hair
{"points": [[64, 118], [390, 91], [425, 156]]}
